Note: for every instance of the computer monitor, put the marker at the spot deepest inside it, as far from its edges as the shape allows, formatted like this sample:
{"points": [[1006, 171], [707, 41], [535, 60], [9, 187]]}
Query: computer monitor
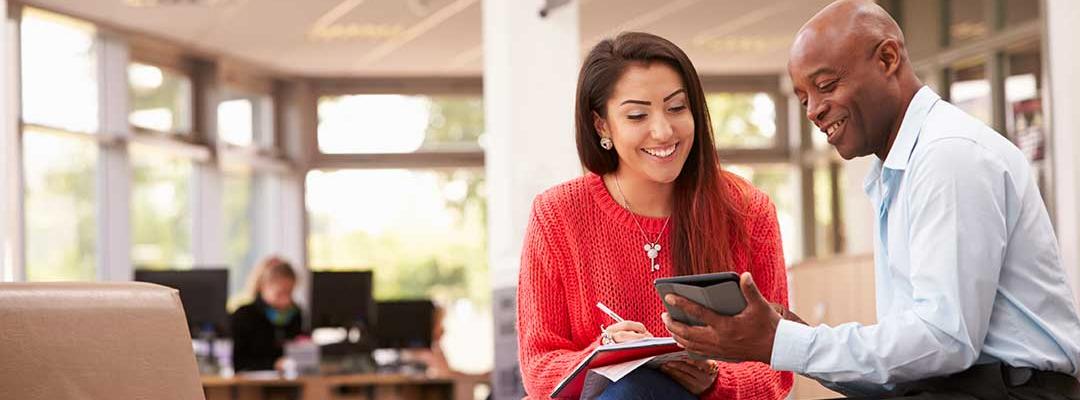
{"points": [[341, 299], [404, 324], [203, 292]]}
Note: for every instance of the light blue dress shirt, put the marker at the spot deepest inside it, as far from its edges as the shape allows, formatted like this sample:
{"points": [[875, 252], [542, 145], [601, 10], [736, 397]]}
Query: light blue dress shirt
{"points": [[966, 265]]}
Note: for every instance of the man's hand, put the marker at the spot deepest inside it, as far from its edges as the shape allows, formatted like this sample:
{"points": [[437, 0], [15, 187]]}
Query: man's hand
{"points": [[747, 336], [696, 376]]}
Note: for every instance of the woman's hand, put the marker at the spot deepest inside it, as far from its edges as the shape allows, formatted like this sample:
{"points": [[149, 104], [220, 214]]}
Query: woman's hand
{"points": [[624, 332], [696, 376]]}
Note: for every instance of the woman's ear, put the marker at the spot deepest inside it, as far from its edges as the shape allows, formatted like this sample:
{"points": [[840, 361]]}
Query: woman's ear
{"points": [[600, 124]]}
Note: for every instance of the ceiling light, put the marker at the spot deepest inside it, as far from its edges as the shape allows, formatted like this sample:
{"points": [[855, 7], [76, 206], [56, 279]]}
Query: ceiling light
{"points": [[741, 44], [355, 31], [162, 3]]}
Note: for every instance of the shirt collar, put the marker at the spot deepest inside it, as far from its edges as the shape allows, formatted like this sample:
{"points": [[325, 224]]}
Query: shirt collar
{"points": [[916, 114], [897, 159]]}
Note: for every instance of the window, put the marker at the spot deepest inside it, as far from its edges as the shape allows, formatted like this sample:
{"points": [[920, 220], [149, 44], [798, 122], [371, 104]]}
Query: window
{"points": [[828, 234], [246, 120], [245, 128], [422, 232], [743, 120], [59, 72], [236, 122], [1022, 95], [367, 124], [59, 150], [161, 209], [970, 90], [1024, 110], [776, 180], [60, 217], [238, 199], [161, 100]]}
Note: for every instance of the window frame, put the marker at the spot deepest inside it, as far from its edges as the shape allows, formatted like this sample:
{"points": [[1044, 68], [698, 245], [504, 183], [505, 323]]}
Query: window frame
{"points": [[116, 49], [470, 86], [780, 151]]}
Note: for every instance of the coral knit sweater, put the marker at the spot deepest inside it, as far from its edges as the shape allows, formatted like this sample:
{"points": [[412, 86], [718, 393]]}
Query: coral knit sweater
{"points": [[582, 247]]}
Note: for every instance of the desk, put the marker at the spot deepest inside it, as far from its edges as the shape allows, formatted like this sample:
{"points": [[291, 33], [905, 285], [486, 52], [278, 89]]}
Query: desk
{"points": [[361, 386]]}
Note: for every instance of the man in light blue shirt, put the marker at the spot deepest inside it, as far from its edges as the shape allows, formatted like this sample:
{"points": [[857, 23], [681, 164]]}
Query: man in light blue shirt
{"points": [[971, 295]]}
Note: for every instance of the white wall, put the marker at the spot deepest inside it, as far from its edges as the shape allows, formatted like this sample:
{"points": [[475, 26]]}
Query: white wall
{"points": [[1063, 58]]}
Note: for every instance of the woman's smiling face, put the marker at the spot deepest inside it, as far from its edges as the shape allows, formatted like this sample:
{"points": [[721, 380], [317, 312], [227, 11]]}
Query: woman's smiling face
{"points": [[649, 121]]}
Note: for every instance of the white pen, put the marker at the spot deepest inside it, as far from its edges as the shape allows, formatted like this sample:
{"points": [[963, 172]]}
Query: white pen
{"points": [[608, 311]]}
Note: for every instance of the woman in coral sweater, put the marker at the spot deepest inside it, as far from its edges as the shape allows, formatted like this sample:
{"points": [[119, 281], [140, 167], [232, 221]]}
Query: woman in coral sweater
{"points": [[655, 204]]}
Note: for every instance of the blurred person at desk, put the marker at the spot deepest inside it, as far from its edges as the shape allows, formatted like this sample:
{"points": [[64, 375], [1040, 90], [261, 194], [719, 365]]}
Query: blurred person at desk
{"points": [[261, 328]]}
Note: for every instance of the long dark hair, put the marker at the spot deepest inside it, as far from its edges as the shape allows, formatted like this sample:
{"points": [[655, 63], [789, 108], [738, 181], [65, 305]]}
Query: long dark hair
{"points": [[704, 213]]}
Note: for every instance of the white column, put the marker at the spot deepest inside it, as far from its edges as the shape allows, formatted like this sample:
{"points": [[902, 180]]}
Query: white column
{"points": [[11, 245], [530, 72], [528, 109], [1063, 56], [114, 165]]}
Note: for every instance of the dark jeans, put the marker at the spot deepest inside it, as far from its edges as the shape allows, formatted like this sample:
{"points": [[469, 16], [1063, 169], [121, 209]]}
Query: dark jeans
{"points": [[646, 384]]}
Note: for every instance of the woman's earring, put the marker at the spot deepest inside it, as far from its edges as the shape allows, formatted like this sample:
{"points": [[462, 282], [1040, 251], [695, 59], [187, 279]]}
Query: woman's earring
{"points": [[606, 143]]}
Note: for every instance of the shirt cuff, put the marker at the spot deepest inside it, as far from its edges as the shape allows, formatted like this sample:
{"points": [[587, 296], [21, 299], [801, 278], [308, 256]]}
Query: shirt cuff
{"points": [[791, 346]]}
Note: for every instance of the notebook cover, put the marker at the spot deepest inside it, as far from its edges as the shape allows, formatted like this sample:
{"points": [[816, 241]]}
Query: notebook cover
{"points": [[571, 386]]}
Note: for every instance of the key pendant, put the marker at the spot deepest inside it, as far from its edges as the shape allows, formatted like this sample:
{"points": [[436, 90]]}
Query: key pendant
{"points": [[653, 250]]}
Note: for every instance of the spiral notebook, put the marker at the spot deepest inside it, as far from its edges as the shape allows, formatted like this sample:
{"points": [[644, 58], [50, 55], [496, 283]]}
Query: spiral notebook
{"points": [[571, 386]]}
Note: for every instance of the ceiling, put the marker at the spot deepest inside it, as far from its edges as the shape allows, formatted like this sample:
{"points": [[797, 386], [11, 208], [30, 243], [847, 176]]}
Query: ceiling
{"points": [[439, 37]]}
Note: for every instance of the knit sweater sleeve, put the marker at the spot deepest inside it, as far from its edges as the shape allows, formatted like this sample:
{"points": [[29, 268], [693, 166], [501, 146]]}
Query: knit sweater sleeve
{"points": [[547, 350], [754, 380]]}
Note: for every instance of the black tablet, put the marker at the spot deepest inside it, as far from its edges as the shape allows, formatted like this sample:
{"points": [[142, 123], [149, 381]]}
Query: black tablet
{"points": [[717, 291]]}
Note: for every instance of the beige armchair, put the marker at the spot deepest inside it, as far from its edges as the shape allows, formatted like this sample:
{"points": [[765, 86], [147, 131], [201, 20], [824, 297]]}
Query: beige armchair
{"points": [[95, 341]]}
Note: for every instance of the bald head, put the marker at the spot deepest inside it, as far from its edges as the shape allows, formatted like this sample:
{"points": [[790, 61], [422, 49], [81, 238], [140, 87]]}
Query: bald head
{"points": [[850, 70], [857, 26]]}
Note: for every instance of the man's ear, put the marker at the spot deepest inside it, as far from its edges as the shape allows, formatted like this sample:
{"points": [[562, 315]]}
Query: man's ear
{"points": [[600, 124], [889, 56]]}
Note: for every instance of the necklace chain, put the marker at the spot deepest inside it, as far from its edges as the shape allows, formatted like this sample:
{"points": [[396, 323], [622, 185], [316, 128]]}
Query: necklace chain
{"points": [[652, 249]]}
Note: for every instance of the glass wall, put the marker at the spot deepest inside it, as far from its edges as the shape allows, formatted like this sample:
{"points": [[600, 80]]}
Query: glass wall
{"points": [[161, 209], [59, 71], [171, 187], [422, 230], [61, 220], [391, 123], [161, 99]]}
